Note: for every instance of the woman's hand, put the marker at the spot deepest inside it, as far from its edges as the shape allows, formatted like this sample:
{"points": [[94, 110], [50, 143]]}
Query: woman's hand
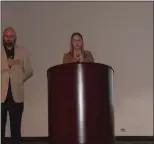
{"points": [[79, 57]]}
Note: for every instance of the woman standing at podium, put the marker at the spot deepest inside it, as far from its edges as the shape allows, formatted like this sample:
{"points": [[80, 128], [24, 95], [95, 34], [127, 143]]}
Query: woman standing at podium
{"points": [[77, 52]]}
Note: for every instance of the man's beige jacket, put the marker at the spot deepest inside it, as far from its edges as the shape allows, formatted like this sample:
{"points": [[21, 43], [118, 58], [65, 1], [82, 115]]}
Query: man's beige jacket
{"points": [[18, 74]]}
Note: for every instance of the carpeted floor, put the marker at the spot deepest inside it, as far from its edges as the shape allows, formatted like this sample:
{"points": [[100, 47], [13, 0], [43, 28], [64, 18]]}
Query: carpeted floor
{"points": [[115, 143]]}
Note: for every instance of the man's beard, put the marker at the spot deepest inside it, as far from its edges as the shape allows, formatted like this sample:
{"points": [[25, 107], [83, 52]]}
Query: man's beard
{"points": [[9, 44]]}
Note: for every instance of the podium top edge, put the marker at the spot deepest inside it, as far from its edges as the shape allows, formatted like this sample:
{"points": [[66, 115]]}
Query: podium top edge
{"points": [[56, 66]]}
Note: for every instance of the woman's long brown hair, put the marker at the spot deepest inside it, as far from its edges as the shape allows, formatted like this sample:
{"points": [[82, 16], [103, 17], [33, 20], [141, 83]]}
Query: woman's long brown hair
{"points": [[71, 46]]}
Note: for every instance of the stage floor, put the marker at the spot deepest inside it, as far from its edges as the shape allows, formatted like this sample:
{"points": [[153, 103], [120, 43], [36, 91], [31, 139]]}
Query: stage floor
{"points": [[115, 143]]}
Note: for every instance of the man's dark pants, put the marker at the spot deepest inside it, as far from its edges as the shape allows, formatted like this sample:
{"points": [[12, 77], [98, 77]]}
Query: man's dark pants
{"points": [[15, 111]]}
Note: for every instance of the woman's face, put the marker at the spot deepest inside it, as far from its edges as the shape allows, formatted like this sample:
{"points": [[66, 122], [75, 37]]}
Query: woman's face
{"points": [[77, 42]]}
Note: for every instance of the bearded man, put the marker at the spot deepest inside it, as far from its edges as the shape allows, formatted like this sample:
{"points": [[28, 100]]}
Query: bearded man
{"points": [[16, 69]]}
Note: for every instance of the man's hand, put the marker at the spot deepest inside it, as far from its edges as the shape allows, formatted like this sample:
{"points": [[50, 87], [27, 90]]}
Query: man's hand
{"points": [[12, 62], [5, 70]]}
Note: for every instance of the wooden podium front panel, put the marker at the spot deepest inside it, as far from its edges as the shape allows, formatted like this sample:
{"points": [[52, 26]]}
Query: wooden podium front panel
{"points": [[98, 112], [75, 91], [62, 108]]}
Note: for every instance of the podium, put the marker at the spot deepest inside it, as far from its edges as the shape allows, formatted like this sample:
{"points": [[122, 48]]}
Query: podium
{"points": [[80, 109]]}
